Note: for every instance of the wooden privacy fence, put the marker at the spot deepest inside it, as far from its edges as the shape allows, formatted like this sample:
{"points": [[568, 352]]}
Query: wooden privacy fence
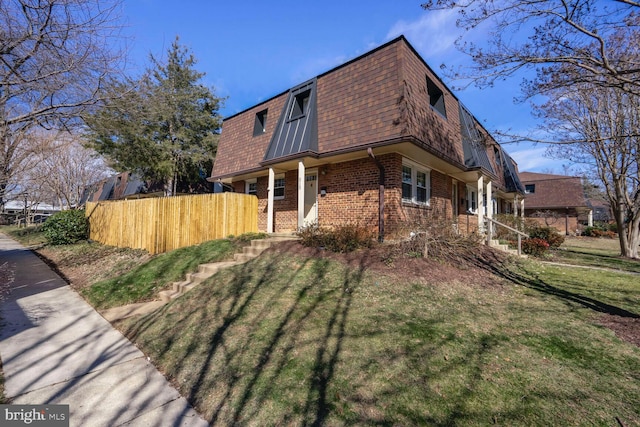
{"points": [[163, 224]]}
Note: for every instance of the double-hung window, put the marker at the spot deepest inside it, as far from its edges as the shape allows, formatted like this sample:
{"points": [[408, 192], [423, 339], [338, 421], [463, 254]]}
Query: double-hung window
{"points": [[278, 187], [416, 184], [251, 187]]}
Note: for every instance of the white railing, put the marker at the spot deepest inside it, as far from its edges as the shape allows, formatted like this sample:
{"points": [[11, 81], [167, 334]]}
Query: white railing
{"points": [[490, 223]]}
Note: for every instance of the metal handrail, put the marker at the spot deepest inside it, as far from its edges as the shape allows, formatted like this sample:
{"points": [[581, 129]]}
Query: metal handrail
{"points": [[491, 221]]}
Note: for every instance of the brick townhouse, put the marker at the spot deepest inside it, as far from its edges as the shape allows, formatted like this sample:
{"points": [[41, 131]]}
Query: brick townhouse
{"points": [[557, 201], [379, 129]]}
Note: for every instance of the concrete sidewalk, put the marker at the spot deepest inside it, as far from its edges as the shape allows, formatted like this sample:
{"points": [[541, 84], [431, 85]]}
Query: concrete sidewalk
{"points": [[56, 349]]}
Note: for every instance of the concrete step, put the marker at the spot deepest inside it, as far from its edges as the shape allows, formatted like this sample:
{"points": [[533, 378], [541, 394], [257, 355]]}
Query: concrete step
{"points": [[198, 277], [214, 267], [207, 270], [504, 248], [260, 244], [242, 258], [169, 294], [178, 286], [254, 250], [286, 236]]}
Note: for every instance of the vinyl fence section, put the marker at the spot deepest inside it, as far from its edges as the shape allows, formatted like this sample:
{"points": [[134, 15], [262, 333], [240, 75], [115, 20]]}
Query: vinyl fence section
{"points": [[163, 224]]}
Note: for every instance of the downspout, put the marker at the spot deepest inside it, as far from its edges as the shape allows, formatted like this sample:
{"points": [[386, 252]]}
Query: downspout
{"points": [[380, 196]]}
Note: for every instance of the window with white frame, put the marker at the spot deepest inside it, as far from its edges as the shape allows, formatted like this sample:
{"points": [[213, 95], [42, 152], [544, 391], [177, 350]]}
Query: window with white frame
{"points": [[251, 187], [472, 200], [278, 187], [416, 183]]}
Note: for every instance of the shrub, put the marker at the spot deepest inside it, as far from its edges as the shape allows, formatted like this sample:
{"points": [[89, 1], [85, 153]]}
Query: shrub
{"points": [[535, 246], [311, 236], [590, 231], [66, 227], [549, 234], [343, 238], [601, 230]]}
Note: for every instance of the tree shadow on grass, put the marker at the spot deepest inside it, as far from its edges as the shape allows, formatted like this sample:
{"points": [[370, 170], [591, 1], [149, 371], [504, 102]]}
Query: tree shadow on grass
{"points": [[255, 369], [506, 271], [292, 343]]}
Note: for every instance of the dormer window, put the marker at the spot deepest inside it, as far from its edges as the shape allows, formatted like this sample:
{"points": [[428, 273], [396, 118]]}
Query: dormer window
{"points": [[300, 105], [529, 188], [260, 124], [436, 97]]}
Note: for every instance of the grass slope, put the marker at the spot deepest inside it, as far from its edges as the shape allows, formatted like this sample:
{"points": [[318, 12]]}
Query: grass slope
{"points": [[143, 282], [287, 339]]}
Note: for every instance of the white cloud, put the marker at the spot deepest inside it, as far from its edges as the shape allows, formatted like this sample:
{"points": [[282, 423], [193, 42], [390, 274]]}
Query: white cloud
{"points": [[432, 35], [531, 158]]}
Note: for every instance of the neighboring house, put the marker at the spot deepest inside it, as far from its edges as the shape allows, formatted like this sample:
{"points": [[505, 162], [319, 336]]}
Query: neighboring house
{"points": [[380, 127], [557, 201], [16, 211], [127, 185], [124, 185], [601, 210]]}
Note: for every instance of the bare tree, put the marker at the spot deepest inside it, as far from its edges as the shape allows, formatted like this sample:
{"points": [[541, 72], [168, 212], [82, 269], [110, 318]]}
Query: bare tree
{"points": [[60, 168], [602, 126], [584, 56], [54, 58], [542, 35]]}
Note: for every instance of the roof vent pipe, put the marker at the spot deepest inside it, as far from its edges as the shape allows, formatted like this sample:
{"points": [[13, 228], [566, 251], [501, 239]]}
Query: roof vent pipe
{"points": [[380, 196]]}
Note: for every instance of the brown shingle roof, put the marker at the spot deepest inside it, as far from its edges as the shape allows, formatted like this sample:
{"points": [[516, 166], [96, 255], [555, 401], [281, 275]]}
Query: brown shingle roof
{"points": [[380, 98], [553, 191]]}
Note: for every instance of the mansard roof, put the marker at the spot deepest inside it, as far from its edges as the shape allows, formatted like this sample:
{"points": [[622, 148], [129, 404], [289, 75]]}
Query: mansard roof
{"points": [[386, 96]]}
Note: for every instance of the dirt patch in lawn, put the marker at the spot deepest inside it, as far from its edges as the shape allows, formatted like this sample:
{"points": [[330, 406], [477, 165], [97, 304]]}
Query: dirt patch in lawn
{"points": [[625, 328]]}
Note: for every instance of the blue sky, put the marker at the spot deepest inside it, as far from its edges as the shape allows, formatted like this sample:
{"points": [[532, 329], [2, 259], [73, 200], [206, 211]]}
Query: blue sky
{"points": [[253, 50]]}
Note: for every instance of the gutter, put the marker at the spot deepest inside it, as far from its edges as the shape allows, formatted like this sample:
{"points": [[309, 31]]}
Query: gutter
{"points": [[380, 196]]}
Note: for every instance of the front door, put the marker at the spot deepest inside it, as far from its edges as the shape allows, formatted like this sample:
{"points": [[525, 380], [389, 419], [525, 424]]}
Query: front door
{"points": [[311, 198]]}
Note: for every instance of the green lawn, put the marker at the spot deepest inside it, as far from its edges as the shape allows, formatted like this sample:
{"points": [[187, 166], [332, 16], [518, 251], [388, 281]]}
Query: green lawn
{"points": [[595, 252], [287, 339], [290, 340]]}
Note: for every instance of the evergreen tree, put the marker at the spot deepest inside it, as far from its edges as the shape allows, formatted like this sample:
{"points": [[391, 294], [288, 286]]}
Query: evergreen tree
{"points": [[163, 126]]}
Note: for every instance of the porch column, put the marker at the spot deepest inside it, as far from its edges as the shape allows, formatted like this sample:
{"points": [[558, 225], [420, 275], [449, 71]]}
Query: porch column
{"points": [[301, 182], [489, 200], [590, 218], [522, 208], [272, 179], [481, 203], [515, 206]]}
